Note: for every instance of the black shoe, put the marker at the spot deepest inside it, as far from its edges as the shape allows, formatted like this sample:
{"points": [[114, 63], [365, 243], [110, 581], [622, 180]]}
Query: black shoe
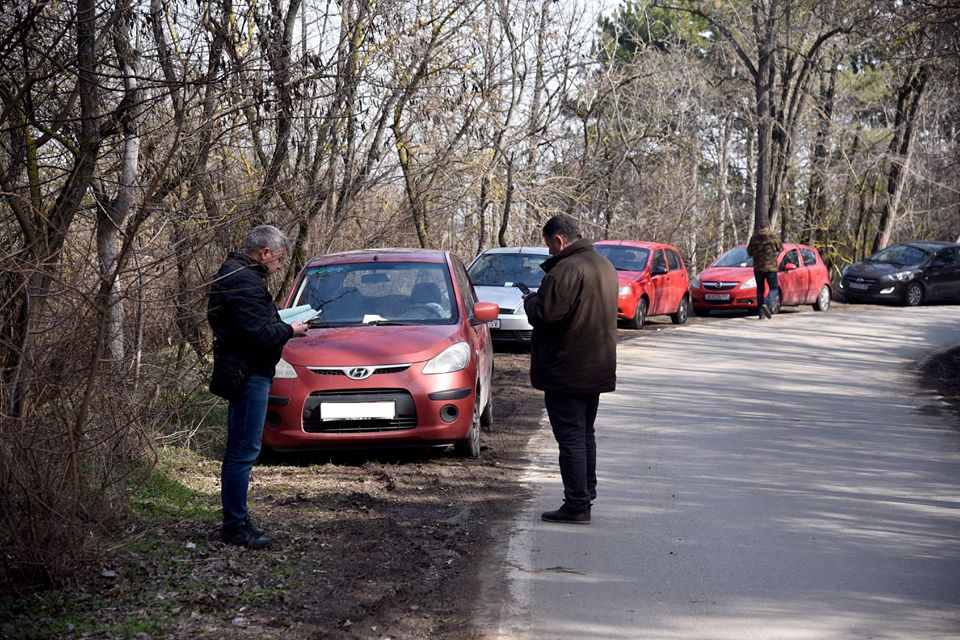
{"points": [[246, 535], [566, 515], [766, 311], [255, 529]]}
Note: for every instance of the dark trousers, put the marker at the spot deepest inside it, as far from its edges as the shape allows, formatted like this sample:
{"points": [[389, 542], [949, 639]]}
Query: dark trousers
{"points": [[244, 427], [572, 416], [768, 278]]}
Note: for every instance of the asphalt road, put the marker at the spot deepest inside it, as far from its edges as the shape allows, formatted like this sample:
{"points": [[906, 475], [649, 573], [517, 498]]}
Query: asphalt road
{"points": [[780, 479]]}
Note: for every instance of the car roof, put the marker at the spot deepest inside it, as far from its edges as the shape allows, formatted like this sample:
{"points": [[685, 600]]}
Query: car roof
{"points": [[637, 244], [539, 251], [384, 254], [932, 245]]}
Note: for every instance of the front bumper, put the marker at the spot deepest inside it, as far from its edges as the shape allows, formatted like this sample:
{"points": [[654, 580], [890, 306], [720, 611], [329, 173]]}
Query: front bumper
{"points": [[729, 299], [878, 290], [429, 410], [513, 328]]}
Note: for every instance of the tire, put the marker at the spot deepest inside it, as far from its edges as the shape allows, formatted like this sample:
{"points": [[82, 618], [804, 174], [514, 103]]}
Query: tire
{"points": [[701, 312], [486, 418], [777, 304], [823, 299], [913, 295], [639, 316], [469, 447], [683, 312]]}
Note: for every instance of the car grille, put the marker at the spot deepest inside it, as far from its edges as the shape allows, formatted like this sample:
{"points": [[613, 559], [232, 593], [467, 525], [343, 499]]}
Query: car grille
{"points": [[718, 286], [513, 336], [406, 412], [860, 280], [344, 371]]}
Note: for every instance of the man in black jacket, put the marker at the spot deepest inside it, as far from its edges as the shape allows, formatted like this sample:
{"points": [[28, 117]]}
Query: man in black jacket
{"points": [[247, 328], [573, 355]]}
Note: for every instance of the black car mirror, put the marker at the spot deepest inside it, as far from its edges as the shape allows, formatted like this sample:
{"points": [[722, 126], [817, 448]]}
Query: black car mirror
{"points": [[658, 270]]}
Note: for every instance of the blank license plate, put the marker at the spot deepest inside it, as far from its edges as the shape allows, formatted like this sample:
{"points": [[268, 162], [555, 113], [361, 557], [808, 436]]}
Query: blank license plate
{"points": [[358, 410], [859, 285], [717, 297], [494, 324]]}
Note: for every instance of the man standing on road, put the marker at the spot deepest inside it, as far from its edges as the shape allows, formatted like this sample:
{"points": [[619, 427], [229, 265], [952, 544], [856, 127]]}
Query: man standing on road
{"points": [[573, 355], [764, 247], [248, 332]]}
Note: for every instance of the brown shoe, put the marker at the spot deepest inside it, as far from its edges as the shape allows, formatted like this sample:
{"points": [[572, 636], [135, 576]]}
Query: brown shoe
{"points": [[565, 515]]}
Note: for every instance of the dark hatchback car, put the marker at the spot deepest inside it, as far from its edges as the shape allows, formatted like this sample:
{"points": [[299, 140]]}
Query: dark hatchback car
{"points": [[909, 273]]}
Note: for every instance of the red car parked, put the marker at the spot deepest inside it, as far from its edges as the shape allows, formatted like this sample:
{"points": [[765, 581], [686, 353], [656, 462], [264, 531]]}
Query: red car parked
{"points": [[729, 283], [399, 354], [653, 280]]}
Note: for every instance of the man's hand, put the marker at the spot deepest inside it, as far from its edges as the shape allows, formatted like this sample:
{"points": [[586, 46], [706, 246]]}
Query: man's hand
{"points": [[299, 329]]}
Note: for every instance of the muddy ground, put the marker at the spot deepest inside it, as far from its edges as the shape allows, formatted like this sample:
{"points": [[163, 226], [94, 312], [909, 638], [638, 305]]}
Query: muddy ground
{"points": [[373, 546]]}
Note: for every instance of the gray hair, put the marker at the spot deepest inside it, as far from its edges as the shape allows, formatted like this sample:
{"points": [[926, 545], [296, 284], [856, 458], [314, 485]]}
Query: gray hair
{"points": [[266, 236]]}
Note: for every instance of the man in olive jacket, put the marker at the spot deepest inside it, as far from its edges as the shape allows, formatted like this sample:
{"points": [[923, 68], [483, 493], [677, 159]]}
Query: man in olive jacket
{"points": [[247, 328], [764, 247], [573, 355]]}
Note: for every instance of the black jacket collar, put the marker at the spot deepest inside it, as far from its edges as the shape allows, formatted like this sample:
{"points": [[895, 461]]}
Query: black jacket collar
{"points": [[577, 246], [246, 262]]}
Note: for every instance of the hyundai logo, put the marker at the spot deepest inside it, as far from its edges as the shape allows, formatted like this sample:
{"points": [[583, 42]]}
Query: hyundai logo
{"points": [[859, 279], [359, 373]]}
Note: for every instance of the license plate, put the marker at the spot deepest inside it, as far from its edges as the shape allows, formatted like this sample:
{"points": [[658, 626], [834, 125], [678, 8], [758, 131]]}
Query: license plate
{"points": [[358, 410], [717, 297], [859, 285], [494, 324]]}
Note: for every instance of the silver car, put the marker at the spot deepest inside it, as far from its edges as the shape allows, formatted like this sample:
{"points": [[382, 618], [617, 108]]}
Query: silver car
{"points": [[495, 274]]}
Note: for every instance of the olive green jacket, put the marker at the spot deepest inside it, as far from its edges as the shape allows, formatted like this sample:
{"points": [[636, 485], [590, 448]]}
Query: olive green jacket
{"points": [[764, 248]]}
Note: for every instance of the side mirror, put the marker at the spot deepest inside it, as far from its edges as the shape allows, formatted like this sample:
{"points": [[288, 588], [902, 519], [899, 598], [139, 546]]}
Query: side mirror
{"points": [[789, 267], [484, 312], [658, 270]]}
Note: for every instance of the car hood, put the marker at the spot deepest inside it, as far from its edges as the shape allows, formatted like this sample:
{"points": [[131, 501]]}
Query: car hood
{"points": [[726, 274], [626, 277], [503, 297], [876, 269], [369, 345]]}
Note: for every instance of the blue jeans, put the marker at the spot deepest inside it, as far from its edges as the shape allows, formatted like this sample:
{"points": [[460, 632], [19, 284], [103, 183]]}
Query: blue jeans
{"points": [[572, 416], [244, 427], [766, 278]]}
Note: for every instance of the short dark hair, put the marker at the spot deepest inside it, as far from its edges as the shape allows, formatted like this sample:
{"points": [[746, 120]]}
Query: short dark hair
{"points": [[562, 225]]}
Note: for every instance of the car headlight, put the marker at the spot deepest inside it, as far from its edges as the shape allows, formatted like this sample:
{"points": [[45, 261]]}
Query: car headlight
{"points": [[453, 358], [695, 283], [285, 370], [899, 276], [843, 272], [625, 290], [749, 284]]}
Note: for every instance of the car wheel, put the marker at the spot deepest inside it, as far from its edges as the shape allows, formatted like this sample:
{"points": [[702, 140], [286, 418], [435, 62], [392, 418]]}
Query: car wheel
{"points": [[683, 312], [701, 312], [913, 296], [823, 300], [486, 418], [777, 304], [639, 316], [469, 447]]}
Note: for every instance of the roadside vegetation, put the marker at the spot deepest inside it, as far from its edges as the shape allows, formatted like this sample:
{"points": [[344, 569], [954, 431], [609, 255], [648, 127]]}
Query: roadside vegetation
{"points": [[143, 138]]}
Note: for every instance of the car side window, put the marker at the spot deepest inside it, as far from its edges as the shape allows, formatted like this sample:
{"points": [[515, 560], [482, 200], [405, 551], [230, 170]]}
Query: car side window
{"points": [[658, 261], [790, 258], [673, 260], [465, 285], [945, 258], [809, 257]]}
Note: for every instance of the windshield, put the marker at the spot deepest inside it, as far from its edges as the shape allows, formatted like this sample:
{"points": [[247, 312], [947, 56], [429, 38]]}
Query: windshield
{"points": [[624, 258], [504, 269], [736, 257], [900, 254], [378, 293]]}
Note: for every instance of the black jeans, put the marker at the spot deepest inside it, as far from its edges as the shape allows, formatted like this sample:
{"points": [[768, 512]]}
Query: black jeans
{"points": [[572, 416], [766, 278]]}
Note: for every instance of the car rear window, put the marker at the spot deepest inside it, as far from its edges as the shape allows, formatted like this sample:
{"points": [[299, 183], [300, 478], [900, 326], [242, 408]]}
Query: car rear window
{"points": [[809, 257], [673, 260]]}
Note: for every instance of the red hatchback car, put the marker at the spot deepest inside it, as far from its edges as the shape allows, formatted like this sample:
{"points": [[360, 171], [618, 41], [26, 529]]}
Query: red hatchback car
{"points": [[653, 280], [729, 283], [399, 353]]}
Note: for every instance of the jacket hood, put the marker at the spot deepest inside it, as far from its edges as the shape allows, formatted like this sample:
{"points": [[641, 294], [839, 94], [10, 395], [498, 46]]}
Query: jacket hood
{"points": [[369, 345], [575, 247]]}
